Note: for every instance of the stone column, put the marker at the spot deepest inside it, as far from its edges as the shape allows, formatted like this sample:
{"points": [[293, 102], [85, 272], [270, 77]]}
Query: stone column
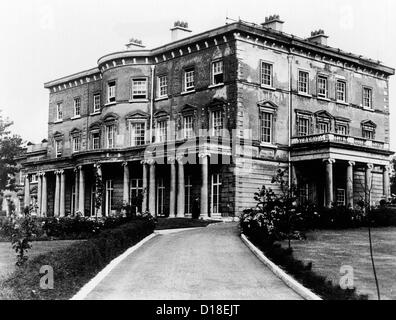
{"points": [[152, 189], [172, 196], [145, 186], [205, 183], [62, 193], [27, 192], [44, 199], [76, 174], [98, 168], [349, 184], [81, 196], [369, 181], [57, 193], [125, 193], [39, 194], [386, 182], [180, 189], [329, 182]]}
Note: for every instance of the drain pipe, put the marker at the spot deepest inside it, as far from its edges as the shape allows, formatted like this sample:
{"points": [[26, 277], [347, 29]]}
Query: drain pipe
{"points": [[290, 107], [152, 103]]}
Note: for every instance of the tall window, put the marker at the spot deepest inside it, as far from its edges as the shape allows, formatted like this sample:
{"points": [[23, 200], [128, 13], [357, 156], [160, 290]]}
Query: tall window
{"points": [[111, 94], [217, 123], [110, 136], [266, 74], [368, 132], [217, 72], [266, 127], [303, 126], [322, 86], [59, 111], [136, 193], [77, 107], [96, 102], [139, 88], [73, 199], [162, 130], [303, 193], [109, 196], [340, 197], [303, 82], [137, 130], [323, 127], [367, 97], [76, 143], [341, 91], [188, 196], [341, 129], [162, 86], [58, 148], [188, 127], [161, 197], [95, 140], [216, 184], [189, 82]]}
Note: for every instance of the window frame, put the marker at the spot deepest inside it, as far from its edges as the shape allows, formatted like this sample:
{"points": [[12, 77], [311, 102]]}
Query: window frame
{"points": [[77, 104], [337, 91], [302, 118], [370, 106], [111, 98], [299, 82], [343, 197], [326, 94], [215, 197], [108, 126], [188, 133], [214, 73], [215, 131], [132, 139], [76, 143], [140, 95], [271, 126], [58, 148], [59, 105], [271, 75], [94, 132], [186, 72], [96, 95], [162, 131], [159, 94]]}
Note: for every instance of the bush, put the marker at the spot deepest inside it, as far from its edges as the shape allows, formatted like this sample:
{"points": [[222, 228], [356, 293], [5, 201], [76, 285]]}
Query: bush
{"points": [[77, 264]]}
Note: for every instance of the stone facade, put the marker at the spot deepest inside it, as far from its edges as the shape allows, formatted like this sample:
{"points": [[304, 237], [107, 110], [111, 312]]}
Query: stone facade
{"points": [[209, 119]]}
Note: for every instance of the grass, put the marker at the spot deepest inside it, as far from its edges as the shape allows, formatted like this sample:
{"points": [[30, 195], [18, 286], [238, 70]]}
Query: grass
{"points": [[328, 250], [175, 223]]}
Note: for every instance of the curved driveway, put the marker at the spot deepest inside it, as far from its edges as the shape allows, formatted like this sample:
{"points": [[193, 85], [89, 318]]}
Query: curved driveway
{"points": [[207, 263]]}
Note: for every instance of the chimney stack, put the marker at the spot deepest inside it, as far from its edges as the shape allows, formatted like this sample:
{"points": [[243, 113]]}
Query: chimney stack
{"points": [[180, 30], [319, 37], [273, 22], [134, 44]]}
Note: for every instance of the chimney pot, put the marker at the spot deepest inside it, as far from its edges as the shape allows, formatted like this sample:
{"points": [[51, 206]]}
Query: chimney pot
{"points": [[318, 36], [273, 22], [180, 30], [134, 44]]}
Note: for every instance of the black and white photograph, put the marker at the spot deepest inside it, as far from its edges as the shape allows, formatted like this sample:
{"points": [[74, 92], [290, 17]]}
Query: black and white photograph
{"points": [[197, 155]]}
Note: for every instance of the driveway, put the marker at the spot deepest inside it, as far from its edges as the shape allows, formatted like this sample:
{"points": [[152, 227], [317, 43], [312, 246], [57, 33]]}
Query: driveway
{"points": [[207, 263]]}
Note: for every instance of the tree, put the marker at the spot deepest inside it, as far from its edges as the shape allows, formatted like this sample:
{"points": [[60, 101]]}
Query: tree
{"points": [[393, 177], [10, 149]]}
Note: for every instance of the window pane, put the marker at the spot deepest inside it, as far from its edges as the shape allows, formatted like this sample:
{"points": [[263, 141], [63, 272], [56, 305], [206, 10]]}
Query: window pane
{"points": [[266, 127], [266, 74], [162, 130], [111, 91], [303, 82], [188, 127], [162, 86], [367, 97], [139, 89], [96, 102], [137, 133], [189, 79], [217, 123], [341, 91], [217, 71], [322, 87], [303, 126]]}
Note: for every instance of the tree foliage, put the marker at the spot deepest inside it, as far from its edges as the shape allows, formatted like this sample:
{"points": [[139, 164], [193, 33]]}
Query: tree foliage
{"points": [[10, 149]]}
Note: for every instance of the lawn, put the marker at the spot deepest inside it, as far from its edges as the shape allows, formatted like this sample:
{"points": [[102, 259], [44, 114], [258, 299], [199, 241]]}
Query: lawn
{"points": [[175, 223], [8, 255], [329, 250]]}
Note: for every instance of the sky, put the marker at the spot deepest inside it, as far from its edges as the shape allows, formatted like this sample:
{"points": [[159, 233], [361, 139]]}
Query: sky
{"points": [[42, 40]]}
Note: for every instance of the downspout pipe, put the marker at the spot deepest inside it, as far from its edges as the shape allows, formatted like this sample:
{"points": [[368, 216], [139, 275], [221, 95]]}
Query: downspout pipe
{"points": [[290, 107], [152, 102]]}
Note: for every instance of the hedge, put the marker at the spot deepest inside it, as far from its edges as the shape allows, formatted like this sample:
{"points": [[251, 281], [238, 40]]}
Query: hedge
{"points": [[75, 265]]}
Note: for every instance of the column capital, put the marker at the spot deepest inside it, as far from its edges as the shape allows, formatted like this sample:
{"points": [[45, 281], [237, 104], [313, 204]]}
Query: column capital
{"points": [[329, 160], [171, 160], [387, 168], [97, 165], [204, 154], [370, 166], [351, 163], [61, 171], [150, 161], [180, 159], [124, 163]]}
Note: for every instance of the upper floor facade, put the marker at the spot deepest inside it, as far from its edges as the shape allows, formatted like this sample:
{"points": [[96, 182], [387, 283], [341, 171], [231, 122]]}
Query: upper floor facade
{"points": [[272, 88]]}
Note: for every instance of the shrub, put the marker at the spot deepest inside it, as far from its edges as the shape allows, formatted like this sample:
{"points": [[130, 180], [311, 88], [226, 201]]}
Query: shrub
{"points": [[75, 265]]}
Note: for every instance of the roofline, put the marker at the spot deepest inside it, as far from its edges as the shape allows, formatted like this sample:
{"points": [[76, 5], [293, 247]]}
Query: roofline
{"points": [[71, 77]]}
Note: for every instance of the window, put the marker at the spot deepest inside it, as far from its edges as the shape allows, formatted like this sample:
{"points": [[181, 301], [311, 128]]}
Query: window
{"points": [[368, 132], [266, 127], [76, 144], [189, 79], [77, 107], [341, 91], [161, 197], [303, 82], [341, 129], [266, 74], [58, 148], [33, 178], [162, 130], [323, 127], [188, 196], [59, 112], [303, 193], [322, 86], [136, 194], [139, 89], [73, 206], [110, 135], [217, 123], [367, 97], [96, 101], [340, 197], [217, 72], [303, 126], [162, 86], [188, 127], [111, 87], [109, 196], [216, 184], [95, 140], [137, 130]]}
